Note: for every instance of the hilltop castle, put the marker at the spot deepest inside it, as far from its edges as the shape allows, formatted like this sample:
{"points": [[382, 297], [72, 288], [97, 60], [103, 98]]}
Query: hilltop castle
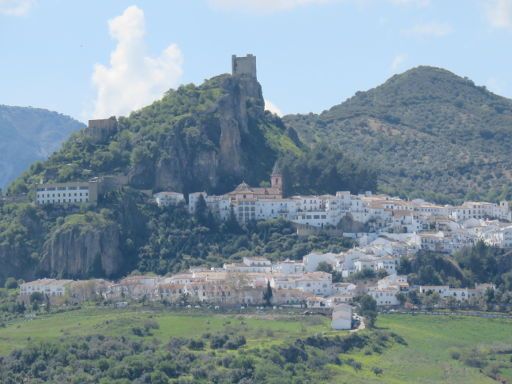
{"points": [[244, 66]]}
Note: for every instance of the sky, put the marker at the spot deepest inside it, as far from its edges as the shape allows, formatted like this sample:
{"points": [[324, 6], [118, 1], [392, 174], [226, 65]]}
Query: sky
{"points": [[97, 58]]}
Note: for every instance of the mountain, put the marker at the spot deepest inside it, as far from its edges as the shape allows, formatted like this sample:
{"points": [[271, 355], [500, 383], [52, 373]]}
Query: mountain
{"points": [[208, 137], [427, 132], [28, 135]]}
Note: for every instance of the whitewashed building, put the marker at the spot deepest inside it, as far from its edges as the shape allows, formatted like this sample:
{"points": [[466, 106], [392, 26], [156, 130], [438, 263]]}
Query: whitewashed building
{"points": [[164, 199], [71, 193], [47, 287], [313, 259], [341, 317], [250, 265]]}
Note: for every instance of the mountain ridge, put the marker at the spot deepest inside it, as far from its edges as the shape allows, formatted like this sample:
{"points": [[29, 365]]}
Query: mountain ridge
{"points": [[419, 129], [30, 134]]}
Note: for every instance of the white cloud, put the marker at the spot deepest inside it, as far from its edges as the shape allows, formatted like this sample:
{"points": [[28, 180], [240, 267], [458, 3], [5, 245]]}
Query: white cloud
{"points": [[397, 62], [271, 107], [432, 29], [418, 3], [269, 6], [15, 7], [263, 5], [133, 79], [499, 13]]}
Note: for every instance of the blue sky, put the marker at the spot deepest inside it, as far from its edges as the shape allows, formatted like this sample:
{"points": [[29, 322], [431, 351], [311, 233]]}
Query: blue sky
{"points": [[100, 57]]}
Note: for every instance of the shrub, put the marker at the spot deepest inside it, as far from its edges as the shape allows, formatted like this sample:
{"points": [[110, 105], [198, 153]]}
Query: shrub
{"points": [[377, 370], [11, 283], [196, 345]]}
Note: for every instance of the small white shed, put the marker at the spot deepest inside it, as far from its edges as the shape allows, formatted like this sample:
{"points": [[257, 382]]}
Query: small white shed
{"points": [[342, 317]]}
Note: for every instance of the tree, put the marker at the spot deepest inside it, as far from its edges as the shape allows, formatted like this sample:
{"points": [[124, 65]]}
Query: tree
{"points": [[324, 267], [368, 309], [201, 210], [231, 225], [413, 297], [36, 297], [159, 377], [267, 295], [382, 273], [490, 297], [11, 283], [401, 297], [47, 304]]}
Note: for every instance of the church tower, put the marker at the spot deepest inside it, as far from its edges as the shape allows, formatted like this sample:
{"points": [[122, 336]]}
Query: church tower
{"points": [[276, 179]]}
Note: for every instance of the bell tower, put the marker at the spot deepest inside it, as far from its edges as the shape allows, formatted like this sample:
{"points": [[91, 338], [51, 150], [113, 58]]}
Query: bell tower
{"points": [[276, 179]]}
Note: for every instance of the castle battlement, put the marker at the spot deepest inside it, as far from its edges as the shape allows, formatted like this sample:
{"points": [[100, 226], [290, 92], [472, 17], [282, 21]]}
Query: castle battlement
{"points": [[244, 66]]}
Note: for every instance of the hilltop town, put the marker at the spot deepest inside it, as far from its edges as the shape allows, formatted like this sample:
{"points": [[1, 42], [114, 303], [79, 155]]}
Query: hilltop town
{"points": [[384, 229]]}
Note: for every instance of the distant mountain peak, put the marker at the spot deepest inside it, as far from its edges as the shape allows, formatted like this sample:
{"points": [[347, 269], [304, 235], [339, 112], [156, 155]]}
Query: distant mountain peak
{"points": [[30, 134], [430, 133]]}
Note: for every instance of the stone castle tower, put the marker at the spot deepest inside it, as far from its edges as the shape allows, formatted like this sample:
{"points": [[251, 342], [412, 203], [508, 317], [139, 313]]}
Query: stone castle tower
{"points": [[244, 66], [100, 130]]}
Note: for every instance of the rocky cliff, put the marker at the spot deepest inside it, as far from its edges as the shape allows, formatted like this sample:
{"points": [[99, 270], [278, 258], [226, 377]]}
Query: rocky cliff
{"points": [[203, 150], [82, 249]]}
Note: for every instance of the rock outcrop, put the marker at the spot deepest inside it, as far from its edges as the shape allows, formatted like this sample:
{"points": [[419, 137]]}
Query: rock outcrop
{"points": [[215, 156], [81, 250]]}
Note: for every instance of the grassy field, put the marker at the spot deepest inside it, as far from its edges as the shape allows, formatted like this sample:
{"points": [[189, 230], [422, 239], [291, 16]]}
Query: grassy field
{"points": [[425, 359], [258, 329]]}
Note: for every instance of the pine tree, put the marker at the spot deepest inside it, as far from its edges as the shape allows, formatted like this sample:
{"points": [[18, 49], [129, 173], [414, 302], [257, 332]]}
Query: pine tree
{"points": [[267, 295]]}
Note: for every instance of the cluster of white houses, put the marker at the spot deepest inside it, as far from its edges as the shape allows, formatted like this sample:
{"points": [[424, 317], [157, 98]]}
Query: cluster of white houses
{"points": [[440, 228], [293, 283]]}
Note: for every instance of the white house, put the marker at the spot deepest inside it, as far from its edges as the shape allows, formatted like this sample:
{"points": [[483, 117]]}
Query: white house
{"points": [[250, 265], [342, 317], [312, 260], [164, 199], [498, 237], [288, 267], [459, 294], [48, 287], [318, 283], [385, 296]]}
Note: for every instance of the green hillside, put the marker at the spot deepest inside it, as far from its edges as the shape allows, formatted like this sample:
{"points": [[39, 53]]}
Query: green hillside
{"points": [[206, 137], [28, 135], [427, 132], [105, 345]]}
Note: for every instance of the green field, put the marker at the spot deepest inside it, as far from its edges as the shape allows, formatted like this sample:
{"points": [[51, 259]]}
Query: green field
{"points": [[91, 321], [427, 357]]}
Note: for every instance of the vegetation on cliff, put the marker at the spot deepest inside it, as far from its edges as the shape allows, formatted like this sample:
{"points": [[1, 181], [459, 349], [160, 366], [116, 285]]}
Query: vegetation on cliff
{"points": [[125, 232], [206, 137]]}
